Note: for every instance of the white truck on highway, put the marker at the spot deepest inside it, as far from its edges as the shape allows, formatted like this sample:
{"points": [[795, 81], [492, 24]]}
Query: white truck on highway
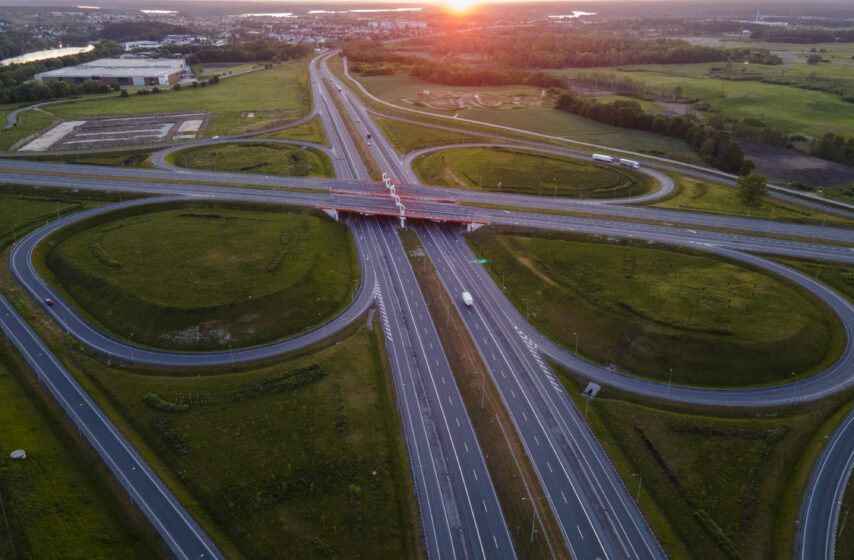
{"points": [[603, 157], [468, 300], [629, 163]]}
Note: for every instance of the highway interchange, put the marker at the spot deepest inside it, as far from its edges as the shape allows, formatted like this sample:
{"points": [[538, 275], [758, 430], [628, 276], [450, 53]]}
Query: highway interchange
{"points": [[460, 514]]}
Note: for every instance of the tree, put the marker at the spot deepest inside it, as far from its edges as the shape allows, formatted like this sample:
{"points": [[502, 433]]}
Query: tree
{"points": [[752, 189]]}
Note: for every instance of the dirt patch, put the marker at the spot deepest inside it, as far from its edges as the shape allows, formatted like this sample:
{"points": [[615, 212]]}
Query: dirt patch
{"points": [[530, 266], [445, 100], [781, 165]]}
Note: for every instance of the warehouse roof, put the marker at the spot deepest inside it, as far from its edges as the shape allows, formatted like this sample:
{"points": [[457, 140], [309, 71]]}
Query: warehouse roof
{"points": [[120, 66]]}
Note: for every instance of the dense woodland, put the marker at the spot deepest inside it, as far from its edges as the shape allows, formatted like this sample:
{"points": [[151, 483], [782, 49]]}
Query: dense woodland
{"points": [[713, 144], [141, 31], [16, 84], [15, 43], [807, 36]]}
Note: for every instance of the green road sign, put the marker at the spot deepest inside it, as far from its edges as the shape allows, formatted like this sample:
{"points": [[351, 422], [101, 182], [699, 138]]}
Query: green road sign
{"points": [[481, 261]]}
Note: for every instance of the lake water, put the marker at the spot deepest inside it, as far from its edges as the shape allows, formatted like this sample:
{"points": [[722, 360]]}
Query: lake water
{"points": [[45, 54]]}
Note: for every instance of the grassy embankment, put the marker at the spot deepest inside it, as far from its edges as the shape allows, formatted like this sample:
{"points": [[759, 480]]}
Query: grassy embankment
{"points": [[696, 195], [261, 158], [125, 158], [717, 483], [510, 470], [204, 276], [542, 120], [838, 276], [55, 505], [29, 122], [845, 537], [408, 137], [785, 108], [525, 172], [275, 96], [311, 131], [651, 310]]}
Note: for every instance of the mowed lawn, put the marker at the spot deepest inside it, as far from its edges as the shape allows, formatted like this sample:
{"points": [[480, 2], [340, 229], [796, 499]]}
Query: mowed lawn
{"points": [[55, 506], [650, 310], [544, 120], [526, 172], [276, 95], [205, 277], [303, 458], [266, 158], [407, 137]]}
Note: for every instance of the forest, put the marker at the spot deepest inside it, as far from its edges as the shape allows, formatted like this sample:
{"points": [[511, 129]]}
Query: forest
{"points": [[15, 43], [834, 148]]}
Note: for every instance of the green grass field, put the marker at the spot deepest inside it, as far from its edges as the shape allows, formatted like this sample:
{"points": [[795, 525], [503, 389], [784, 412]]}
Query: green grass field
{"points": [[789, 109], [275, 96], [303, 456], [845, 539], [649, 310], [524, 172], [204, 276], [714, 198], [261, 158], [717, 483], [408, 137], [540, 120], [311, 131], [54, 506], [838, 276], [29, 122], [124, 158]]}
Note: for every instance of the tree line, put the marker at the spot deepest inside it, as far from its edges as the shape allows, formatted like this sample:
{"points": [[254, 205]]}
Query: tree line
{"points": [[714, 145], [834, 148], [15, 43], [527, 49], [258, 50], [804, 36]]}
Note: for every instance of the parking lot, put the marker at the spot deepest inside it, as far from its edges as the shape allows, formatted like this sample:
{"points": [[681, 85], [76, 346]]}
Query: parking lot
{"points": [[122, 130]]}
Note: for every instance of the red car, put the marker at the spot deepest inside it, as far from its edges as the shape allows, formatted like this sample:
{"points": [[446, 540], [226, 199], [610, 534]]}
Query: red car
{"points": [[48, 301]]}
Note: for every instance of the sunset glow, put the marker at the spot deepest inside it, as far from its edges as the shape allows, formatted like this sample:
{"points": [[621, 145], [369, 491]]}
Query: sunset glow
{"points": [[459, 6]]}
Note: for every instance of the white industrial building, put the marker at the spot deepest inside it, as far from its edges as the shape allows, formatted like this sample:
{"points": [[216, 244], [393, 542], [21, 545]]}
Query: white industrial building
{"points": [[122, 71]]}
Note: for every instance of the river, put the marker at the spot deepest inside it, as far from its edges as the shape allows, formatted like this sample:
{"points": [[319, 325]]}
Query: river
{"points": [[45, 54]]}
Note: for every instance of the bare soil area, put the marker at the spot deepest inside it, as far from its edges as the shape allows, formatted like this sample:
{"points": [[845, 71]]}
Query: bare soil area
{"points": [[781, 165]]}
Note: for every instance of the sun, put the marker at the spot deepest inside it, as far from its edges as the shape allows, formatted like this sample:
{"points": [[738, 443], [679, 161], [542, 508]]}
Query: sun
{"points": [[459, 6]]}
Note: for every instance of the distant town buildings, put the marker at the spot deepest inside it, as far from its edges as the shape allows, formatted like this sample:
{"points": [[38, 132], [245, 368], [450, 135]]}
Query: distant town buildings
{"points": [[122, 71]]}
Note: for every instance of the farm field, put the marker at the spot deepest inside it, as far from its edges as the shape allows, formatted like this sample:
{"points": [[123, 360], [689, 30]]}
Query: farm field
{"points": [[789, 109], [261, 158], [304, 455], [715, 483], [652, 310], [524, 172], [274, 96], [542, 120], [204, 276]]}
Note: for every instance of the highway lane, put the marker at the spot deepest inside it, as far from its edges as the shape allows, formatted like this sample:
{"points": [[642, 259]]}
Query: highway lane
{"points": [[460, 507], [181, 534], [597, 515], [818, 523], [30, 170]]}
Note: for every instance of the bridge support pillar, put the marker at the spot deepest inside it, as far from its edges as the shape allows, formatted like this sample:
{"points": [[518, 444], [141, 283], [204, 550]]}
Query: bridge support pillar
{"points": [[402, 222], [471, 226], [332, 213]]}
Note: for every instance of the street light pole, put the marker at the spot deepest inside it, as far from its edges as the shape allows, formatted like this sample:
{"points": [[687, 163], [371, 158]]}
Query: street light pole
{"points": [[640, 483], [669, 381]]}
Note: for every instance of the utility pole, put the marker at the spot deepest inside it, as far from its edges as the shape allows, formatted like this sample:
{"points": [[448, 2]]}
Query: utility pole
{"points": [[640, 483]]}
